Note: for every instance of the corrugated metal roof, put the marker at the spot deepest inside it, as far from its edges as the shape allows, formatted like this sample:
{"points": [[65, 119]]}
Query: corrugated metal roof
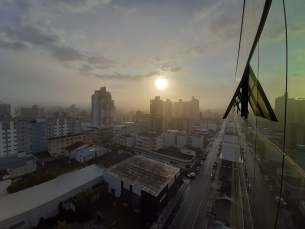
{"points": [[17, 203], [144, 173]]}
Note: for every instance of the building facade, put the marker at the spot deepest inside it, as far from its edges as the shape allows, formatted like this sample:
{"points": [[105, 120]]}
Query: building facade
{"points": [[149, 141], [102, 108], [32, 113], [57, 145]]}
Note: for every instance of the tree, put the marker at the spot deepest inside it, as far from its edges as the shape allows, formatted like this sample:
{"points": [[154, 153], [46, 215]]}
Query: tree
{"points": [[63, 225], [83, 203], [205, 143]]}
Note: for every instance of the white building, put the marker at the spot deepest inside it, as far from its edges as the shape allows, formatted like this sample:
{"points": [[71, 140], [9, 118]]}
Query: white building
{"points": [[202, 131], [8, 138], [133, 127], [118, 131], [150, 141], [212, 127], [128, 140], [179, 139], [25, 208], [89, 153], [102, 108]]}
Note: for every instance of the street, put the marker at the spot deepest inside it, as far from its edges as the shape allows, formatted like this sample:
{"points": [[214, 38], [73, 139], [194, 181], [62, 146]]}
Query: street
{"points": [[191, 210]]}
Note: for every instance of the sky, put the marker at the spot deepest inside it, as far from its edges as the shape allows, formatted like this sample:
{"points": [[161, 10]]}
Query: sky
{"points": [[59, 52]]}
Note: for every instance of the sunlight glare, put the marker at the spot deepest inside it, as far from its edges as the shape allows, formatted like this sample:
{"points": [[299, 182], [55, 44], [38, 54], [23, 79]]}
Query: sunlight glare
{"points": [[161, 83]]}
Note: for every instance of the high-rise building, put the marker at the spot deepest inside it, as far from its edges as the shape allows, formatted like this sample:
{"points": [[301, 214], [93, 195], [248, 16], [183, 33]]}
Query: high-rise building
{"points": [[181, 108], [8, 137], [32, 113], [156, 107], [144, 119], [102, 108], [157, 121], [73, 111], [168, 108], [193, 107], [7, 109]]}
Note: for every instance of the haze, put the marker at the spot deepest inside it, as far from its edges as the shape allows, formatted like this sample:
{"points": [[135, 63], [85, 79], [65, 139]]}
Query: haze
{"points": [[60, 52]]}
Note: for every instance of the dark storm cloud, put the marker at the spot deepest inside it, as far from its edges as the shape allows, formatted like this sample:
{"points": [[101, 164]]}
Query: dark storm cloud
{"points": [[169, 68], [118, 76]]}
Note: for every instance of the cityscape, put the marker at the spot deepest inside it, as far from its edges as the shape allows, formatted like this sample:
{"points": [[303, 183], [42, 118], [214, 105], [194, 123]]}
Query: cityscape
{"points": [[152, 114]]}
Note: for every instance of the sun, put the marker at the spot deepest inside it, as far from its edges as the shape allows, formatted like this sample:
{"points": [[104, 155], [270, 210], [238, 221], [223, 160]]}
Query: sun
{"points": [[161, 83]]}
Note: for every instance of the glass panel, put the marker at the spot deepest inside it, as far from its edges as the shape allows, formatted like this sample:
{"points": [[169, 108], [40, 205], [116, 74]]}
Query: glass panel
{"points": [[293, 191], [295, 127], [292, 207], [272, 73], [252, 103]]}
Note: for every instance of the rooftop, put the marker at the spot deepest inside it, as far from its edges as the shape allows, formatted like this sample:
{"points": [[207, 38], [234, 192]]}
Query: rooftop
{"points": [[202, 129], [146, 134], [90, 150], [17, 203], [127, 135], [175, 152], [191, 148], [12, 162], [74, 146], [146, 174], [66, 136]]}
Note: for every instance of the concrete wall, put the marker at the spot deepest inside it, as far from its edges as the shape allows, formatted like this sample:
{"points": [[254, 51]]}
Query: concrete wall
{"points": [[113, 183]]}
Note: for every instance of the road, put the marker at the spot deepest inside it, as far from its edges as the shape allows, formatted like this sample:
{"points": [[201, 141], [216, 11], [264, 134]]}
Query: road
{"points": [[263, 205], [198, 192]]}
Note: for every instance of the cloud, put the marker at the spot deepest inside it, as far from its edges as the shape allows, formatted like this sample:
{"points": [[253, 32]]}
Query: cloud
{"points": [[118, 76], [292, 29], [193, 51], [168, 68], [28, 33], [17, 45], [67, 54]]}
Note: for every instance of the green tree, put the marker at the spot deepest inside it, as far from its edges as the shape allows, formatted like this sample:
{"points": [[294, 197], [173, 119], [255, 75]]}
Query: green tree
{"points": [[63, 225], [205, 143]]}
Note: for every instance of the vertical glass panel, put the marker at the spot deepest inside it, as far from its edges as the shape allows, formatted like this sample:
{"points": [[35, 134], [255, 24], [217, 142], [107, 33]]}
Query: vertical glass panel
{"points": [[292, 202], [271, 73], [295, 121], [264, 164], [252, 85]]}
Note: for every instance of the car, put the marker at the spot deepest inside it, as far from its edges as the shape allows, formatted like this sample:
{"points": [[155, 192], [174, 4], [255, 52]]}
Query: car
{"points": [[191, 175], [211, 177], [271, 188], [266, 177], [201, 162], [198, 168]]}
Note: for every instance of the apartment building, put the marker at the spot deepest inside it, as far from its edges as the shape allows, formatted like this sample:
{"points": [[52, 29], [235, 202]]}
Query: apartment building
{"points": [[34, 112], [102, 108], [57, 145], [149, 141], [8, 137], [128, 140], [180, 139]]}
